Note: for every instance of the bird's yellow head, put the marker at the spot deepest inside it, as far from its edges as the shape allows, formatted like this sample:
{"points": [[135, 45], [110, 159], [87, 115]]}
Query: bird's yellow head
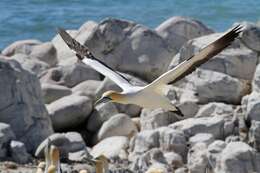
{"points": [[110, 96], [102, 158], [51, 169]]}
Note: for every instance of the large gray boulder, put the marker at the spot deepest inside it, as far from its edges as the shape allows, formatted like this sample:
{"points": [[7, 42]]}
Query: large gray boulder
{"points": [[184, 26], [22, 46], [144, 141], [101, 113], [69, 111], [173, 159], [205, 138], [87, 88], [148, 54], [52, 92], [178, 30], [118, 125], [211, 86], [129, 109], [22, 105], [252, 107], [150, 162], [226, 111], [111, 147], [254, 134], [32, 65], [35, 50], [251, 36], [185, 99], [6, 135], [188, 106], [215, 108], [85, 31], [67, 143], [191, 126], [165, 138], [45, 52], [214, 152], [70, 75], [197, 158], [236, 157], [256, 79], [152, 119], [18, 152], [172, 140]]}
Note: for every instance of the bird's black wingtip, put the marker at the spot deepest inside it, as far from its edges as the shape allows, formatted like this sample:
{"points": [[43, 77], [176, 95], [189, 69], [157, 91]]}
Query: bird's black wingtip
{"points": [[238, 28], [60, 30], [178, 112], [64, 35], [80, 58]]}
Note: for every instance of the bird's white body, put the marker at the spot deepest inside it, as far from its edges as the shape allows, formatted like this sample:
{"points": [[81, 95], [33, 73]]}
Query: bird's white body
{"points": [[147, 98], [150, 96]]}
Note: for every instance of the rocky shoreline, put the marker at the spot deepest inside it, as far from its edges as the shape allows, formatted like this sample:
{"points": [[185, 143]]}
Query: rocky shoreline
{"points": [[46, 93]]}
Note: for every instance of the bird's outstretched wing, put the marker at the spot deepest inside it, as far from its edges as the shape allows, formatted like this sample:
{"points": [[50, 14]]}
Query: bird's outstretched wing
{"points": [[193, 62], [83, 53]]}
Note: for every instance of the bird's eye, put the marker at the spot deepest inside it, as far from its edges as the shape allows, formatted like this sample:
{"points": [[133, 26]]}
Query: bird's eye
{"points": [[107, 98]]}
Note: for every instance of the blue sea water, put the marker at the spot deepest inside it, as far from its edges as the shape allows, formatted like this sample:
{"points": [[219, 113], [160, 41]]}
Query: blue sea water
{"points": [[38, 19]]}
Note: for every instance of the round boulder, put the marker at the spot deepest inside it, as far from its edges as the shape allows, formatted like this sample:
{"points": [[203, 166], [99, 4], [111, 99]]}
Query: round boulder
{"points": [[69, 142], [110, 147], [70, 75], [22, 106], [52, 92], [118, 125], [22, 46], [178, 30], [69, 111], [251, 36]]}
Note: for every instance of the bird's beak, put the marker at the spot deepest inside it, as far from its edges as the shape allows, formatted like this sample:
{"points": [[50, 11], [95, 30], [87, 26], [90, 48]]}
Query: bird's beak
{"points": [[103, 100]]}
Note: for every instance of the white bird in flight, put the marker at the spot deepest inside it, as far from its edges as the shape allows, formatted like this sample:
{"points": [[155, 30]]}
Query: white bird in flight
{"points": [[152, 95]]}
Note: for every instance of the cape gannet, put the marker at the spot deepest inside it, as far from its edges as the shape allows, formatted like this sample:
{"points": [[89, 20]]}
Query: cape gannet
{"points": [[47, 155], [52, 158], [52, 169], [151, 95], [101, 163], [55, 159]]}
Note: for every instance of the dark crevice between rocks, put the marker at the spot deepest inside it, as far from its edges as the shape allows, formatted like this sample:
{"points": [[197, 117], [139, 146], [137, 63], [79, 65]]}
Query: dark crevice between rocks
{"points": [[81, 128], [56, 75]]}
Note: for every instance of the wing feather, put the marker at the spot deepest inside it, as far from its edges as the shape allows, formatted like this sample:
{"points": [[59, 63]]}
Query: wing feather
{"points": [[189, 65], [121, 82], [83, 54]]}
